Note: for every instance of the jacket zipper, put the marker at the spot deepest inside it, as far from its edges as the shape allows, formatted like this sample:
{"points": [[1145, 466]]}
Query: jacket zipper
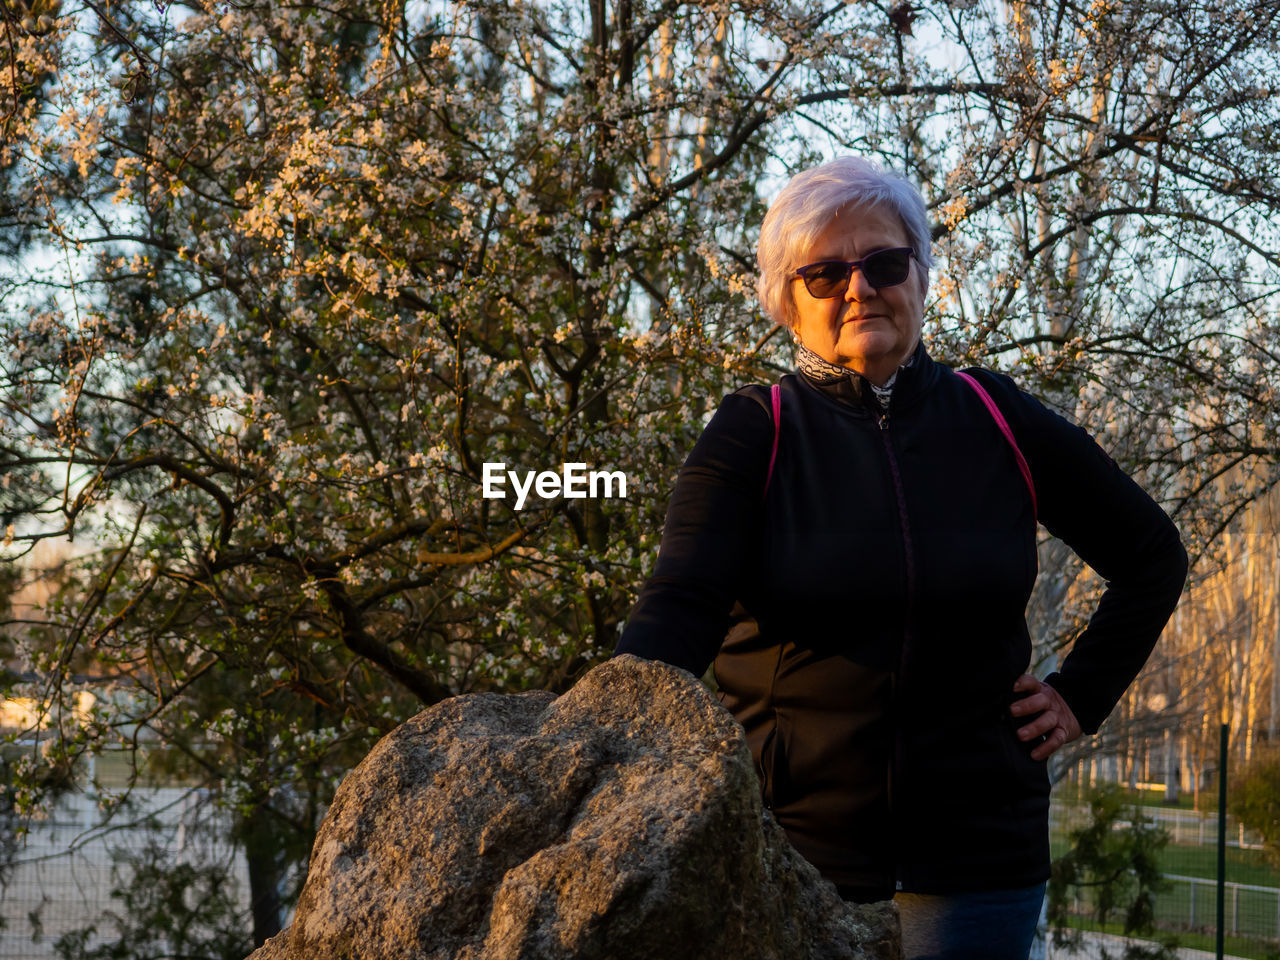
{"points": [[900, 498]]}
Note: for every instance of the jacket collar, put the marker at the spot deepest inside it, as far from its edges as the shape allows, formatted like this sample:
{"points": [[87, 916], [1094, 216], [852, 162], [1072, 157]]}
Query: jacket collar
{"points": [[847, 387]]}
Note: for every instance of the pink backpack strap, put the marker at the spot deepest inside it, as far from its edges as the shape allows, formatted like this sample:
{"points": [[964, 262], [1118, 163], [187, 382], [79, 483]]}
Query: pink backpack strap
{"points": [[1003, 424], [775, 396]]}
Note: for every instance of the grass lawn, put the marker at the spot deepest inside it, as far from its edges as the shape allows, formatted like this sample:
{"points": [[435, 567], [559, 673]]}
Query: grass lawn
{"points": [[1190, 860], [1243, 866]]}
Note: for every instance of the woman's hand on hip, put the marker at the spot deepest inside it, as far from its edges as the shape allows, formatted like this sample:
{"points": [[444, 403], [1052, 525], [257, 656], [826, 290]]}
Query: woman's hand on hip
{"points": [[1055, 726]]}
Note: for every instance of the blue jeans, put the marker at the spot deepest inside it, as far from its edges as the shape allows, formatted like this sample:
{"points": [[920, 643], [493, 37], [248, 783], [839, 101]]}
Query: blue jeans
{"points": [[989, 925]]}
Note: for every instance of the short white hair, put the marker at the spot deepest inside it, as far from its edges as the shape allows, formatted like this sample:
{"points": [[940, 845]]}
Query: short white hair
{"points": [[809, 202]]}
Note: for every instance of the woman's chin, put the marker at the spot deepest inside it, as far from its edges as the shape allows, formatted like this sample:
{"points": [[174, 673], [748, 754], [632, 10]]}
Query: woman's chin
{"points": [[867, 352]]}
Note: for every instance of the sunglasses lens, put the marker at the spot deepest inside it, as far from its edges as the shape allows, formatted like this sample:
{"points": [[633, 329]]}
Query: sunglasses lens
{"points": [[830, 278], [887, 268], [826, 280]]}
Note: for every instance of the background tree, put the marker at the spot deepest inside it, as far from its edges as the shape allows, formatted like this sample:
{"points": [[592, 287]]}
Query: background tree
{"points": [[281, 279], [1111, 871], [163, 909], [1216, 664], [1255, 793]]}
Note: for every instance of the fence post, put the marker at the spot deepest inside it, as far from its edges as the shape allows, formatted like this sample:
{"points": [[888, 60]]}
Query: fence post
{"points": [[1235, 909], [1219, 940], [1193, 906]]}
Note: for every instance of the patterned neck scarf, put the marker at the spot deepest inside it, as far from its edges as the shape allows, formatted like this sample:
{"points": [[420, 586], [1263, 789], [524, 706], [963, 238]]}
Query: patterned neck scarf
{"points": [[814, 367]]}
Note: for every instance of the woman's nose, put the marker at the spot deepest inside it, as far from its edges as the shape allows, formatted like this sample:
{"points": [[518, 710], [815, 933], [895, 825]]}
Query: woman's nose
{"points": [[859, 288]]}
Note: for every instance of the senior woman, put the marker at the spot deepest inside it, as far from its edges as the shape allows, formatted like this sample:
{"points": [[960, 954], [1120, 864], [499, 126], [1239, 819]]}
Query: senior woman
{"points": [[878, 525]]}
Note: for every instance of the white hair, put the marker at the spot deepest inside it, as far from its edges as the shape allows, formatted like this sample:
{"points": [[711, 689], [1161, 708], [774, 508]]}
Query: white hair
{"points": [[809, 202]]}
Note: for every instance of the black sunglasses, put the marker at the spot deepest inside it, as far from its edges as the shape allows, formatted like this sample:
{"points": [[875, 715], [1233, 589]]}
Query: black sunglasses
{"points": [[830, 278]]}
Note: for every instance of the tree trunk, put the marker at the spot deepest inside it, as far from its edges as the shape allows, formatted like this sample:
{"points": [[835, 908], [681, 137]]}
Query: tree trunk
{"points": [[1273, 722], [262, 856], [1172, 769]]}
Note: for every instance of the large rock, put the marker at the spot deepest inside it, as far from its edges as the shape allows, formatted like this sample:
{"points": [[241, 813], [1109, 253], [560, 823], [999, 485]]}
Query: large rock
{"points": [[621, 820]]}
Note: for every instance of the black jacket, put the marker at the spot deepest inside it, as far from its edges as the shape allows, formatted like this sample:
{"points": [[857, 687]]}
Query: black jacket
{"points": [[888, 570]]}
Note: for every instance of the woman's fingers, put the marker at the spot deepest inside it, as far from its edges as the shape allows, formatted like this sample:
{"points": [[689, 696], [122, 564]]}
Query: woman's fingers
{"points": [[1026, 682], [1055, 726]]}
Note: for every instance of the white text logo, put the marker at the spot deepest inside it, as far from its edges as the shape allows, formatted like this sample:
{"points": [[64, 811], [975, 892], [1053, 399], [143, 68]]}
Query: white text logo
{"points": [[573, 482]]}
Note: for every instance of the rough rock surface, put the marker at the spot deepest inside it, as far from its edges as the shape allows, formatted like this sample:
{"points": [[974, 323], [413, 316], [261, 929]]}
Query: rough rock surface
{"points": [[621, 820]]}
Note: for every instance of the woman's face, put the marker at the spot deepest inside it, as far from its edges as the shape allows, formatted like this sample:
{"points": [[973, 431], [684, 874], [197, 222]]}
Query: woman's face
{"points": [[870, 330]]}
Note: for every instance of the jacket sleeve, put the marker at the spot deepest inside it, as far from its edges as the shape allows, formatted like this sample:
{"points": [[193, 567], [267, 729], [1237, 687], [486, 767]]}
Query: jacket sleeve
{"points": [[1109, 521], [713, 518]]}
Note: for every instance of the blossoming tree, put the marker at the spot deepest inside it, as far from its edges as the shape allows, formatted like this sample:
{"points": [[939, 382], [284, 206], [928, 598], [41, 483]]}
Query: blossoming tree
{"points": [[279, 281]]}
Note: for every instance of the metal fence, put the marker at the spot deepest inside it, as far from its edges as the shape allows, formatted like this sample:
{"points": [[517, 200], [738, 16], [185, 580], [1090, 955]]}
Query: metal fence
{"points": [[1190, 827], [1185, 827], [1189, 905], [69, 863], [71, 860], [1252, 910]]}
